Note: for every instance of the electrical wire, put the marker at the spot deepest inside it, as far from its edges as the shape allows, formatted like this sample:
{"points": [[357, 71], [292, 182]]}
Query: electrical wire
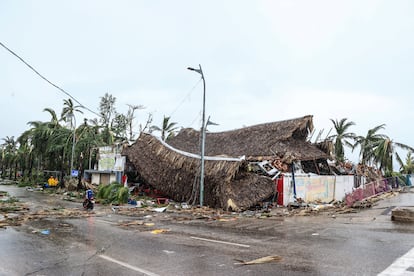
{"points": [[48, 81], [186, 97]]}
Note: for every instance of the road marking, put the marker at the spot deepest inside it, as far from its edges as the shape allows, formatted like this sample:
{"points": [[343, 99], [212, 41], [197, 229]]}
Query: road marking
{"points": [[224, 242], [146, 272], [401, 266]]}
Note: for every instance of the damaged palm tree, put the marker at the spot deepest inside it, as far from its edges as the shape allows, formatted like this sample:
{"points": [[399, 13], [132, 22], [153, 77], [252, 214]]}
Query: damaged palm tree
{"points": [[174, 167]]}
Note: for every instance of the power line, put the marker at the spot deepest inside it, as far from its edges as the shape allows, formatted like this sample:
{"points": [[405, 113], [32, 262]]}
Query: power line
{"points": [[186, 97], [48, 81]]}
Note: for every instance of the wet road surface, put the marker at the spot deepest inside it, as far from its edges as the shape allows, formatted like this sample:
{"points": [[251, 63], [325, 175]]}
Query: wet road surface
{"points": [[106, 243]]}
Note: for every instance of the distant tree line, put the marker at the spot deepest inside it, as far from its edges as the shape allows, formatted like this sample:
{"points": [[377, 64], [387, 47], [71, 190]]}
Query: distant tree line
{"points": [[63, 143], [377, 150]]}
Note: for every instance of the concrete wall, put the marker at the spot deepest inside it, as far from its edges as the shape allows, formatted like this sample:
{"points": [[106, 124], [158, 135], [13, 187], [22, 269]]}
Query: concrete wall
{"points": [[312, 188], [102, 178], [344, 185]]}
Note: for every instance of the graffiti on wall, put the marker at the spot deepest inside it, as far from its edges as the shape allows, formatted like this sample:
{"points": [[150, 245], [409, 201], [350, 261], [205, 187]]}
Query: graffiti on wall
{"points": [[315, 188]]}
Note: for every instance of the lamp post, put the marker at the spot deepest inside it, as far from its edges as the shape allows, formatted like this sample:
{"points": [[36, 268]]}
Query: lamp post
{"points": [[203, 133]]}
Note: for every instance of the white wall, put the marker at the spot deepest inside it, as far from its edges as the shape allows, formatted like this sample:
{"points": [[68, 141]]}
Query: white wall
{"points": [[344, 185], [312, 188]]}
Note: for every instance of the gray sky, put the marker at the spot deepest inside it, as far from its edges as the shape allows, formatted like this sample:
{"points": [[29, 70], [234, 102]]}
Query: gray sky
{"points": [[263, 61]]}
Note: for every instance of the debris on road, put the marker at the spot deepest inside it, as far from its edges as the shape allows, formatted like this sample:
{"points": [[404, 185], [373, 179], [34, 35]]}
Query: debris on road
{"points": [[159, 231], [131, 223], [45, 232], [159, 210], [403, 214], [263, 260]]}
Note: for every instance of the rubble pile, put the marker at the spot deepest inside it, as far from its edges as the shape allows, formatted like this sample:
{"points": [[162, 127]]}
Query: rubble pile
{"points": [[403, 214]]}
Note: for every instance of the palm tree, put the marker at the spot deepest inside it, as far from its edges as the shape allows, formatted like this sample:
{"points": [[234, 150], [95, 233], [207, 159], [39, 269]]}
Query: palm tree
{"points": [[167, 130], [88, 139], [368, 143], [384, 153], [59, 149], [54, 121], [342, 137], [406, 167], [25, 152], [39, 136], [69, 110], [10, 153], [2, 160]]}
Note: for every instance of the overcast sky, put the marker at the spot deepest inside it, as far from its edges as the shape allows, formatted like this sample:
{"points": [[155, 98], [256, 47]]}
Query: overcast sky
{"points": [[263, 61]]}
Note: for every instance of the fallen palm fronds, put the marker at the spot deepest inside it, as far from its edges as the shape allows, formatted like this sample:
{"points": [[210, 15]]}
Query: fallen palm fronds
{"points": [[114, 193], [263, 260]]}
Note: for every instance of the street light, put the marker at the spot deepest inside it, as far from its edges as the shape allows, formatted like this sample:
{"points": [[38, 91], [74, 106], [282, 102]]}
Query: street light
{"points": [[203, 133]]}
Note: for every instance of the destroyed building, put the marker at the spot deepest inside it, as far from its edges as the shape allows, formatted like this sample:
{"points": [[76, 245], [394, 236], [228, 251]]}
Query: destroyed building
{"points": [[229, 180]]}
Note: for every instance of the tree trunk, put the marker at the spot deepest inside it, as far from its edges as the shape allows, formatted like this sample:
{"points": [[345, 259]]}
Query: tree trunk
{"points": [[80, 172]]}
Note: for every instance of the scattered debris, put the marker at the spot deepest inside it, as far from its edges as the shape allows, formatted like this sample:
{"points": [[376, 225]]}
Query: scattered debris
{"points": [[131, 223], [159, 231], [403, 214], [159, 210], [263, 260], [31, 189]]}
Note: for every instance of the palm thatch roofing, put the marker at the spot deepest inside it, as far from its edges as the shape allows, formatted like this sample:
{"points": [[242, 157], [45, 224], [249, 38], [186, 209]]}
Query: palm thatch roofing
{"points": [[174, 168], [227, 184], [284, 139]]}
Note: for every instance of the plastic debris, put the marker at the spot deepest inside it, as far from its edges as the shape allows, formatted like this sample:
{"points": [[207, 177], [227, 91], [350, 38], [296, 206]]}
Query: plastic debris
{"points": [[159, 231], [45, 232], [159, 210]]}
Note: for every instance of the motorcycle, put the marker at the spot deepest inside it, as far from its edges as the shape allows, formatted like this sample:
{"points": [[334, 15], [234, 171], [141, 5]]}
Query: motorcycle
{"points": [[89, 200]]}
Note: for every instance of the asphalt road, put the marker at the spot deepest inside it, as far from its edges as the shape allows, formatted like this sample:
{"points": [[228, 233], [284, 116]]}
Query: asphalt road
{"points": [[107, 243]]}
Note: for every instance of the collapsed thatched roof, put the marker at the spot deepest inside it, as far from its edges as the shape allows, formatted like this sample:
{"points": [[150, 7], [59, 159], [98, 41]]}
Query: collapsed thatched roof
{"points": [[284, 139], [227, 184]]}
